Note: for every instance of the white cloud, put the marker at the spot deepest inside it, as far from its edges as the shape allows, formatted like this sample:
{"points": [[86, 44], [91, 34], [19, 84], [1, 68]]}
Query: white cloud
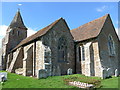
{"points": [[19, 4], [101, 9], [3, 29], [30, 32]]}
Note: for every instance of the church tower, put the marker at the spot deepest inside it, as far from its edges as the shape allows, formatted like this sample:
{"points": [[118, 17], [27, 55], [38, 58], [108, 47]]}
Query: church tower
{"points": [[15, 33]]}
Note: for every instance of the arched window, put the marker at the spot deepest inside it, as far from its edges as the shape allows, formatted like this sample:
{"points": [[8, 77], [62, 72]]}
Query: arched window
{"points": [[62, 49], [111, 45], [83, 53]]}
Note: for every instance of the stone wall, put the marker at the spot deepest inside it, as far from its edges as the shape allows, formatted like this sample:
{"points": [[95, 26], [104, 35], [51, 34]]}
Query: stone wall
{"points": [[51, 40], [90, 65], [15, 60], [42, 54], [108, 61], [97, 61], [39, 57], [4, 50], [9, 60], [28, 60], [12, 38], [79, 68]]}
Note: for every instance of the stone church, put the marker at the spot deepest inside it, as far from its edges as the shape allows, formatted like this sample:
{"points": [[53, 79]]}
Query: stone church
{"points": [[91, 49]]}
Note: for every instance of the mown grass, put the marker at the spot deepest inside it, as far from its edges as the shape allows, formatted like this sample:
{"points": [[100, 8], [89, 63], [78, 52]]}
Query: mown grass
{"points": [[19, 81]]}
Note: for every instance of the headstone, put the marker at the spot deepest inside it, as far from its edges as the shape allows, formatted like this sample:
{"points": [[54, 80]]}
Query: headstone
{"points": [[56, 71], [104, 74], [69, 71], [42, 73], [53, 73], [116, 72], [109, 73], [3, 76]]}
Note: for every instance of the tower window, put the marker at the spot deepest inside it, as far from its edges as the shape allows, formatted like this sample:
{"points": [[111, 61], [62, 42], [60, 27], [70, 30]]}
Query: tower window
{"points": [[111, 45]]}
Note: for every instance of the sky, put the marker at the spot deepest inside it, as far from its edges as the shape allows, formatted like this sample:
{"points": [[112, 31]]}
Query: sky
{"points": [[37, 15]]}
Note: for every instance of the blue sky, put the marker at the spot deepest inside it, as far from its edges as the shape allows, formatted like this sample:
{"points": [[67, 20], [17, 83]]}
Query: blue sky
{"points": [[37, 15]]}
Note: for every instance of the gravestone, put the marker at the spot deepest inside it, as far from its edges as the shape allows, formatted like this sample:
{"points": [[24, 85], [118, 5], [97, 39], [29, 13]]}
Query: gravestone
{"points": [[109, 72], [3, 76], [69, 71], [116, 72], [56, 71], [104, 75], [42, 73]]}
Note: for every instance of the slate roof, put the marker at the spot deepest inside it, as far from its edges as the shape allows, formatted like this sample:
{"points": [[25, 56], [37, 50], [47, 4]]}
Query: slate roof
{"points": [[37, 34], [89, 30]]}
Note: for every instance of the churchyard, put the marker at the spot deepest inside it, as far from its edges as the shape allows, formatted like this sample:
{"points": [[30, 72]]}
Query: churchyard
{"points": [[66, 81]]}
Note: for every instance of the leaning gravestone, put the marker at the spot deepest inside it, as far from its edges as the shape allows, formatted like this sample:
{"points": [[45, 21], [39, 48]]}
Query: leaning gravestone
{"points": [[3, 76], [69, 71], [42, 73]]}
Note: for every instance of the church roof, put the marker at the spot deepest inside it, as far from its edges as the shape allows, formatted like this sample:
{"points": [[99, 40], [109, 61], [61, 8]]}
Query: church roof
{"points": [[37, 34], [89, 30], [17, 21]]}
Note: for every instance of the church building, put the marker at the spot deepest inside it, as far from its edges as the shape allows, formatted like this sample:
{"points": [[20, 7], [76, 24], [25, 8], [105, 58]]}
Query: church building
{"points": [[91, 49]]}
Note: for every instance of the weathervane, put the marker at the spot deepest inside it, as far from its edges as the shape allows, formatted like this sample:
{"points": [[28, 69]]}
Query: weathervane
{"points": [[19, 6]]}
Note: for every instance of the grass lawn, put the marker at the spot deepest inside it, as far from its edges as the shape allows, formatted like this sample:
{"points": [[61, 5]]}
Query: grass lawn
{"points": [[19, 81]]}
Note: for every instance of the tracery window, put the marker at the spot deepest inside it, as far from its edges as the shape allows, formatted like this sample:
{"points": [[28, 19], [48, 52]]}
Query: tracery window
{"points": [[62, 49]]}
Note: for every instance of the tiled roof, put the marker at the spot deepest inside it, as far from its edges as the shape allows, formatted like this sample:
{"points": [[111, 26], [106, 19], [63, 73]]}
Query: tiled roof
{"points": [[37, 34], [89, 30]]}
